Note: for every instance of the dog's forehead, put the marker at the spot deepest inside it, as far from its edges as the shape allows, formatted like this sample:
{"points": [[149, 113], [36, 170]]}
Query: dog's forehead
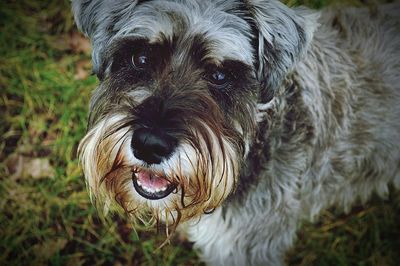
{"points": [[218, 22]]}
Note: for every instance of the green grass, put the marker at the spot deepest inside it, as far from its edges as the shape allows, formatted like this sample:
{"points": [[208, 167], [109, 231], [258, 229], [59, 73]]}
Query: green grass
{"points": [[48, 219]]}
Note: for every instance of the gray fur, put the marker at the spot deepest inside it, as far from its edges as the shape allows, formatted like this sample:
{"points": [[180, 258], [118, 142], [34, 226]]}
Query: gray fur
{"points": [[327, 135]]}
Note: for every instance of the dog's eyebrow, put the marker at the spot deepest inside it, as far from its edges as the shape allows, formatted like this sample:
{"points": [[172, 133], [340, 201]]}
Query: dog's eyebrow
{"points": [[120, 43], [123, 47], [142, 1], [245, 10], [201, 53], [200, 49]]}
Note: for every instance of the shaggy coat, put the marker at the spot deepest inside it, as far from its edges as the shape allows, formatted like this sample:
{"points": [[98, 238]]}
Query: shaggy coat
{"points": [[269, 115]]}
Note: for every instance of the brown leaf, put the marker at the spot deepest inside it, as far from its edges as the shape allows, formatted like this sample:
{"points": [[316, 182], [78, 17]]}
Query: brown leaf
{"points": [[23, 167], [83, 69], [79, 43], [73, 41]]}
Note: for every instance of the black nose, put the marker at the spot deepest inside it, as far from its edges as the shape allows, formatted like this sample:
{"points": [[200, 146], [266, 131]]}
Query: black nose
{"points": [[151, 145]]}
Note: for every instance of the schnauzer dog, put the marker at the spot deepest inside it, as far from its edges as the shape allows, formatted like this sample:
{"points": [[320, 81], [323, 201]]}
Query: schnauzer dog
{"points": [[233, 120]]}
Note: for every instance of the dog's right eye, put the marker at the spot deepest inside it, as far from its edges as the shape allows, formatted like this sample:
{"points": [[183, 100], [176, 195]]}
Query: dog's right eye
{"points": [[140, 60]]}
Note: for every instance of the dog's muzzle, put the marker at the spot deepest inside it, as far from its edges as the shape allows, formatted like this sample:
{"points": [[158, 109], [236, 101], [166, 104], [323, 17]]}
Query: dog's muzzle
{"points": [[152, 143], [171, 157]]}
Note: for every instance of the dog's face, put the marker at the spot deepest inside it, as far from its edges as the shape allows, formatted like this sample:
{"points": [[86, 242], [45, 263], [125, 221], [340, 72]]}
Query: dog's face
{"points": [[176, 110]]}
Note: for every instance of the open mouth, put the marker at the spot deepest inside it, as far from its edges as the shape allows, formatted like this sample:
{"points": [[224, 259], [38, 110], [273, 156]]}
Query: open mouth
{"points": [[151, 185]]}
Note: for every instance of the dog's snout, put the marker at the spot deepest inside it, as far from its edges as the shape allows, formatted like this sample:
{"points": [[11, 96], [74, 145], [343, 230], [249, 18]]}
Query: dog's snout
{"points": [[152, 145]]}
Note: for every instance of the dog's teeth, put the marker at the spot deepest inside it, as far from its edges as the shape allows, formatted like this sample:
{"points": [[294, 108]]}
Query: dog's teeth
{"points": [[151, 190], [148, 189], [138, 182]]}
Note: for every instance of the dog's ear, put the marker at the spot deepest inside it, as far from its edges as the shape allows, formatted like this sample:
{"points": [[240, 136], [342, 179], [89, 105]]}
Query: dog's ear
{"points": [[98, 20], [86, 14], [284, 35]]}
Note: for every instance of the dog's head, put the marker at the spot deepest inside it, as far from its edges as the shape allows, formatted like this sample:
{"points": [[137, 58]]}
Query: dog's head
{"points": [[175, 113]]}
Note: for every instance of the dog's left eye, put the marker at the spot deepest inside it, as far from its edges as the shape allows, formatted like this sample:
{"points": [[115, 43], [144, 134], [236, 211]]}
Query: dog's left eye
{"points": [[219, 78]]}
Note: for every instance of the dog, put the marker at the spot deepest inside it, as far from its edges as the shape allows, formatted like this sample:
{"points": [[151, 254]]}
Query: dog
{"points": [[234, 120]]}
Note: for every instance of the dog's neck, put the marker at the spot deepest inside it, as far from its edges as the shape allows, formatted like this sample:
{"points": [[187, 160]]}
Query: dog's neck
{"points": [[272, 136]]}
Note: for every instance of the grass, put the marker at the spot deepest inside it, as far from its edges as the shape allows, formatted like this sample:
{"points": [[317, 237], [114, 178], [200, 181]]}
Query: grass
{"points": [[46, 217]]}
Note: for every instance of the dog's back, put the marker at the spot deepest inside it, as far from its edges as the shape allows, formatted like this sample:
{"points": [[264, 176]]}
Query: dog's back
{"points": [[355, 106]]}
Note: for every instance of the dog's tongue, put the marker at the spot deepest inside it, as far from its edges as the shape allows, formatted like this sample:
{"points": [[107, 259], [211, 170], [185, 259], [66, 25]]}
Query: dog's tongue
{"points": [[151, 181]]}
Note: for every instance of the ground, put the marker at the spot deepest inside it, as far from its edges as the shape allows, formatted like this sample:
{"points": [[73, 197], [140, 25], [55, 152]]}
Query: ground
{"points": [[46, 217]]}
